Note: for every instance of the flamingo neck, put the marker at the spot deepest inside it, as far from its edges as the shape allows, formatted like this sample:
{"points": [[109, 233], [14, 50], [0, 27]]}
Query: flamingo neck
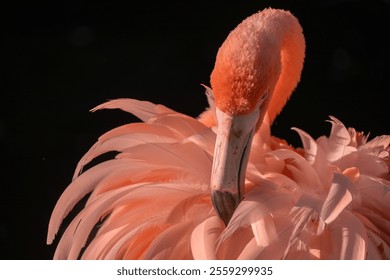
{"points": [[292, 53]]}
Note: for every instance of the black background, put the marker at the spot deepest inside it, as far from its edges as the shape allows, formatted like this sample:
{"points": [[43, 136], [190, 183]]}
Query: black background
{"points": [[61, 58]]}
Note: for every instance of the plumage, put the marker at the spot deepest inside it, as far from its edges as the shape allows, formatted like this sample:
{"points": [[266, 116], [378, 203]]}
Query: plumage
{"points": [[329, 199]]}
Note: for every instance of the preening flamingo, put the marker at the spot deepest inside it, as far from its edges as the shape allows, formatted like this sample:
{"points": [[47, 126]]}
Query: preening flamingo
{"points": [[220, 186]]}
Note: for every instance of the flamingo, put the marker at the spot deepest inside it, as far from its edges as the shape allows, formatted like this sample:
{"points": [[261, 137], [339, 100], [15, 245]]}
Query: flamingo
{"points": [[220, 186]]}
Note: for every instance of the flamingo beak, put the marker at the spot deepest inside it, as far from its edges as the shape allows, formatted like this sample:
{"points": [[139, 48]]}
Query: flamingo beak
{"points": [[231, 154]]}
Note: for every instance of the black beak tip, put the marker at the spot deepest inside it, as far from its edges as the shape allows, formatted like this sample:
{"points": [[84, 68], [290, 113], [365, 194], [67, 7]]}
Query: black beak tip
{"points": [[225, 203]]}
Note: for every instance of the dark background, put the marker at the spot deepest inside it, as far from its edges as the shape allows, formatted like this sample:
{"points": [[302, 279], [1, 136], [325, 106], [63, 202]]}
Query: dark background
{"points": [[61, 58]]}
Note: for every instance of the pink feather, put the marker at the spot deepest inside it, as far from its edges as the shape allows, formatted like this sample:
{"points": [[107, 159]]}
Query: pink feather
{"points": [[329, 199]]}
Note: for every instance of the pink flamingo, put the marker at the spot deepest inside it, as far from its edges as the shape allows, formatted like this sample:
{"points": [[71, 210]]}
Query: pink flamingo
{"points": [[327, 200]]}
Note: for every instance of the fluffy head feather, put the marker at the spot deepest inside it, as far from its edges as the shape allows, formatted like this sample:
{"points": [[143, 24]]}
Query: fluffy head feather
{"points": [[265, 50]]}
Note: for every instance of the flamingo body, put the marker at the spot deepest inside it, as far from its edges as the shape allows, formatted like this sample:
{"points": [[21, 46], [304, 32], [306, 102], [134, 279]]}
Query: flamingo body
{"points": [[327, 200]]}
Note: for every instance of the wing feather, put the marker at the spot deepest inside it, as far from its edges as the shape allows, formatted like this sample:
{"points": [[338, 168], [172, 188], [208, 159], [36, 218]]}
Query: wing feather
{"points": [[316, 157], [79, 188], [258, 204], [338, 198], [143, 110], [204, 238], [349, 238], [126, 137]]}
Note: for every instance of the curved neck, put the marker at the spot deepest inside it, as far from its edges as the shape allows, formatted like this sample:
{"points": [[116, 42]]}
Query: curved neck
{"points": [[292, 48]]}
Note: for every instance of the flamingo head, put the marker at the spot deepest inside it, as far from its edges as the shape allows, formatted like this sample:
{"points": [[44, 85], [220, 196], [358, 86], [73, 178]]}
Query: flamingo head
{"points": [[246, 71]]}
